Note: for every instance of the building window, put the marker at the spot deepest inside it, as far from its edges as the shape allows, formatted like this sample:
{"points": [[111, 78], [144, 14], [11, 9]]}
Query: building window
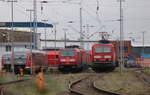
{"points": [[8, 48]]}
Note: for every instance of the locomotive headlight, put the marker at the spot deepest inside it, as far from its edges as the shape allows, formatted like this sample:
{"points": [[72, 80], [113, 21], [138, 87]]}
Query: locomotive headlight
{"points": [[72, 60], [97, 56], [107, 56], [63, 60]]}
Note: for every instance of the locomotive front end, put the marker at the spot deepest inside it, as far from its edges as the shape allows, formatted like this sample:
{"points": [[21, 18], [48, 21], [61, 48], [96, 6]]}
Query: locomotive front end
{"points": [[103, 57]]}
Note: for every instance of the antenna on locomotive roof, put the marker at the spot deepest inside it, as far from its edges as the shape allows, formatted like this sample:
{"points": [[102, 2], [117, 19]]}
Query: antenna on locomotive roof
{"points": [[104, 35]]}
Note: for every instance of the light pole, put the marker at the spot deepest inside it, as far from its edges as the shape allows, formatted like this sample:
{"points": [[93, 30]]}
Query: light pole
{"points": [[65, 36], [31, 41], [12, 28], [81, 37], [55, 32], [44, 20], [121, 65], [55, 35], [35, 24], [143, 33], [55, 38]]}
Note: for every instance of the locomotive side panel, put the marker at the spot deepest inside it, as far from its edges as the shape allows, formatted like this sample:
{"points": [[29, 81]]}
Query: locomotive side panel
{"points": [[36, 61]]}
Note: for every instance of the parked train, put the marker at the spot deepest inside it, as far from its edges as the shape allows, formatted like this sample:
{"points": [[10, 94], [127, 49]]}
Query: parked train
{"points": [[36, 60], [6, 62], [70, 59], [103, 56], [19, 61], [73, 59], [26, 61]]}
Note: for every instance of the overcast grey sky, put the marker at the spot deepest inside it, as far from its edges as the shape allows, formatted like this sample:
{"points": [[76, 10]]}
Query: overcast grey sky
{"points": [[136, 17]]}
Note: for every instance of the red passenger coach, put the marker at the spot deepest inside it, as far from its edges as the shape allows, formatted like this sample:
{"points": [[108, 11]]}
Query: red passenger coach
{"points": [[36, 60], [73, 59], [103, 56]]}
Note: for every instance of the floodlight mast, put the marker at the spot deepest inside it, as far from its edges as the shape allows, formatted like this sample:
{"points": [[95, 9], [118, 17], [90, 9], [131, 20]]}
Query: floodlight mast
{"points": [[35, 24], [31, 41], [121, 63], [12, 39]]}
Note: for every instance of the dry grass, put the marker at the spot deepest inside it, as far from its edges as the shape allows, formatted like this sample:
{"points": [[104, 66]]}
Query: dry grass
{"points": [[57, 83], [29, 88], [146, 70], [123, 83]]}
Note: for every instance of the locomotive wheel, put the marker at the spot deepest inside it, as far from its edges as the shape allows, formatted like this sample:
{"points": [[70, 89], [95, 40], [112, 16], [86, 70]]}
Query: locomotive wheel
{"points": [[96, 70], [112, 68]]}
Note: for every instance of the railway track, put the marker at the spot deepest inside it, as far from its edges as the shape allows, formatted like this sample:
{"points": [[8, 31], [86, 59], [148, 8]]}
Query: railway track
{"points": [[143, 77], [106, 92], [86, 87], [3, 89]]}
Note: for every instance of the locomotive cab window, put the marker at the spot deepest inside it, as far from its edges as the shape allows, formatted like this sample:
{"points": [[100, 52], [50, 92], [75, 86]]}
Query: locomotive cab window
{"points": [[67, 53], [102, 49], [56, 56]]}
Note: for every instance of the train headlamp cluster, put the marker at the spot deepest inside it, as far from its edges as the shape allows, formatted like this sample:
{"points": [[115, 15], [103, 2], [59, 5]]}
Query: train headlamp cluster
{"points": [[71, 60], [102, 57], [97, 56], [62, 60], [107, 56]]}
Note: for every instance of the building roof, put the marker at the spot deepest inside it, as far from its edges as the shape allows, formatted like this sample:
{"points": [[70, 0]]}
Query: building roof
{"points": [[25, 24]]}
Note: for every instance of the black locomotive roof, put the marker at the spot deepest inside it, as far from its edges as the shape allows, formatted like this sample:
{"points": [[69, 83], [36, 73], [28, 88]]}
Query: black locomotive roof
{"points": [[72, 46], [51, 48], [104, 41]]}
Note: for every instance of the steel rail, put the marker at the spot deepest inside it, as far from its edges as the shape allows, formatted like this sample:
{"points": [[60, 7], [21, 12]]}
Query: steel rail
{"points": [[13, 82], [139, 74], [103, 91], [70, 86], [3, 91]]}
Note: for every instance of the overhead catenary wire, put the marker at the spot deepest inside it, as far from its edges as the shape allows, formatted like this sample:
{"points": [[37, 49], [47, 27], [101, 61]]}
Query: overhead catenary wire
{"points": [[85, 7]]}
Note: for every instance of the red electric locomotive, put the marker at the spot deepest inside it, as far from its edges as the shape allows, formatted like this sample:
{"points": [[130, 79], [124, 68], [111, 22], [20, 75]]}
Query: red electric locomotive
{"points": [[36, 60], [103, 56], [73, 59], [53, 58], [53, 61]]}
